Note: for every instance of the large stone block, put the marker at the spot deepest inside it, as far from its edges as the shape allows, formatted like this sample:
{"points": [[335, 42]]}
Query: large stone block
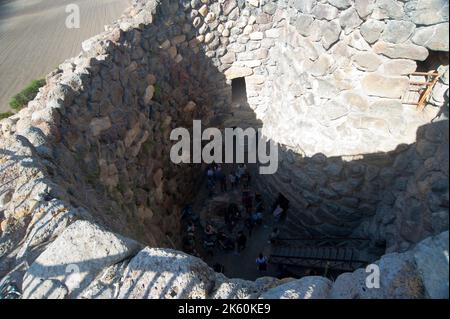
{"points": [[431, 256], [75, 258], [371, 30], [367, 61], [398, 31], [427, 12], [324, 12], [384, 86], [313, 287], [399, 67], [238, 72], [433, 37], [401, 51], [164, 273]]}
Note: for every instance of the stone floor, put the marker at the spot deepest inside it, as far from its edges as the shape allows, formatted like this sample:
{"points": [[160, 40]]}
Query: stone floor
{"points": [[236, 265]]}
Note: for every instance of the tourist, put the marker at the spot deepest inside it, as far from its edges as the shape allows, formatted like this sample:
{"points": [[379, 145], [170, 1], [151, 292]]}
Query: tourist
{"points": [[259, 205], [249, 224], [210, 173], [232, 178], [277, 213], [257, 218], [208, 245], [220, 176], [274, 235], [191, 229], [247, 201], [261, 262], [224, 241], [189, 244], [210, 230], [210, 185], [241, 242]]}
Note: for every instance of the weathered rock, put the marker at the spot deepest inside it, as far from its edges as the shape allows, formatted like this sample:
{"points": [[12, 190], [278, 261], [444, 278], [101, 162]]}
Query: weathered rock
{"points": [[349, 19], [238, 72], [433, 37], [371, 30], [340, 4], [164, 273], [99, 125], [324, 11], [367, 61], [432, 263], [399, 67], [383, 86], [304, 288], [398, 31], [75, 258], [401, 51], [364, 7], [428, 12], [384, 9]]}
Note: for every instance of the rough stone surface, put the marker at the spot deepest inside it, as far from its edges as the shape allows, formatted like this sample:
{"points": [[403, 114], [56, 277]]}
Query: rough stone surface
{"points": [[305, 288], [158, 273], [75, 258], [433, 37], [325, 78], [382, 86]]}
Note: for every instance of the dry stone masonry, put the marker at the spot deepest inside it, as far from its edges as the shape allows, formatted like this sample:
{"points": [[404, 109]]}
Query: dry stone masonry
{"points": [[85, 176]]}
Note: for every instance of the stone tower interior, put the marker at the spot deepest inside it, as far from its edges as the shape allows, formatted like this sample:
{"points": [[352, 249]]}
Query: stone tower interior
{"points": [[361, 169]]}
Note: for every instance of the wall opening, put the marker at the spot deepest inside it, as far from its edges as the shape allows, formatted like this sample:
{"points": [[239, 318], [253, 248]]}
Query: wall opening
{"points": [[239, 90]]}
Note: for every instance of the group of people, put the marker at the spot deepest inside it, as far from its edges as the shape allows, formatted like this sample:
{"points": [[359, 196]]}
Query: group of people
{"points": [[216, 175], [240, 219]]}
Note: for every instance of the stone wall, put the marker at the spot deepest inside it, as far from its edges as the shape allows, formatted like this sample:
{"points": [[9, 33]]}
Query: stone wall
{"points": [[93, 147]]}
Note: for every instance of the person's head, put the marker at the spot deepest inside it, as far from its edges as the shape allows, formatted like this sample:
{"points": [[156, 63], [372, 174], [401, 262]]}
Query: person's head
{"points": [[275, 229], [261, 256]]}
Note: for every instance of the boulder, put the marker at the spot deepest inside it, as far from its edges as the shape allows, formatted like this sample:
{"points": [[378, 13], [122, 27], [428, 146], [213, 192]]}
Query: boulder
{"points": [[98, 125], [340, 4], [164, 273], [238, 72], [367, 61], [433, 37], [371, 30], [313, 287], [385, 86], [75, 258], [324, 12], [349, 19], [398, 31], [364, 7], [388, 9], [401, 51], [398, 279], [431, 256], [399, 67], [428, 12], [233, 288]]}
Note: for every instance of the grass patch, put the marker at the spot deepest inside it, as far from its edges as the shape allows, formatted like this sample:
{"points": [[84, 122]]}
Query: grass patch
{"points": [[6, 115], [21, 99]]}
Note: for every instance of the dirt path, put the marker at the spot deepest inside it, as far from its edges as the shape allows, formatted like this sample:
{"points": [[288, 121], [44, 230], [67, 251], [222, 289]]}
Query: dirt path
{"points": [[34, 39]]}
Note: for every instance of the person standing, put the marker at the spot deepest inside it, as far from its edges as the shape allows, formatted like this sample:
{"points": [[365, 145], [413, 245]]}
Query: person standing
{"points": [[261, 263], [241, 241]]}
